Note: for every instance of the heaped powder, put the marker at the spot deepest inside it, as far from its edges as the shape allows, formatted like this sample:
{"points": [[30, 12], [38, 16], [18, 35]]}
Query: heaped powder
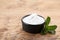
{"points": [[33, 19]]}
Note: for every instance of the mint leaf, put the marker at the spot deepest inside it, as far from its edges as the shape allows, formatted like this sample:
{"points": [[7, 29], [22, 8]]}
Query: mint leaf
{"points": [[44, 31], [47, 21], [52, 27], [51, 32]]}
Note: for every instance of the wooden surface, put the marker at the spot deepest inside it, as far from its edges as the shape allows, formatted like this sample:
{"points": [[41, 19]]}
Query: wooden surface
{"points": [[11, 12]]}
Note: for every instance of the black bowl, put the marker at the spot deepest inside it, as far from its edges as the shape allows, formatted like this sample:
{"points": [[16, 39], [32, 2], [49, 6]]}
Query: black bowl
{"points": [[32, 28]]}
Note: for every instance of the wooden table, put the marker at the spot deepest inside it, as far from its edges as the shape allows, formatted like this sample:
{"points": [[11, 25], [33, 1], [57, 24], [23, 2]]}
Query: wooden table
{"points": [[11, 12]]}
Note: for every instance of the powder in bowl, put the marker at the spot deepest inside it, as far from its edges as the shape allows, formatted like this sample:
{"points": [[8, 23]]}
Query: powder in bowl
{"points": [[33, 19]]}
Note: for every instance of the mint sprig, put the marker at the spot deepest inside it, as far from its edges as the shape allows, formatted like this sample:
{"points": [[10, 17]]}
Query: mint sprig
{"points": [[47, 21], [48, 28]]}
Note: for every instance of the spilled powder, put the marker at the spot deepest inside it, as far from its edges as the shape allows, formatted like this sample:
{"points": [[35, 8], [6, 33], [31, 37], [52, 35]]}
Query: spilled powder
{"points": [[34, 19]]}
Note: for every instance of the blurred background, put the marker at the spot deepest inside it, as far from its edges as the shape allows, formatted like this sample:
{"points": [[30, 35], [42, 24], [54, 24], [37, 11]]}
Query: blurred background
{"points": [[11, 12]]}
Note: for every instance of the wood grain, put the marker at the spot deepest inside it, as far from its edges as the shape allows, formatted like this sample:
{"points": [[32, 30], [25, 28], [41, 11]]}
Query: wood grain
{"points": [[11, 12]]}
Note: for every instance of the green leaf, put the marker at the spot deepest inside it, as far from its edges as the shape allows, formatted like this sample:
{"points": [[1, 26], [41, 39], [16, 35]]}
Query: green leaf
{"points": [[51, 32], [47, 21], [52, 27], [44, 31]]}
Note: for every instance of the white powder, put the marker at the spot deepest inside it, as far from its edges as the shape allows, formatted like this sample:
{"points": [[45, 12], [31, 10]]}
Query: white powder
{"points": [[33, 19]]}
